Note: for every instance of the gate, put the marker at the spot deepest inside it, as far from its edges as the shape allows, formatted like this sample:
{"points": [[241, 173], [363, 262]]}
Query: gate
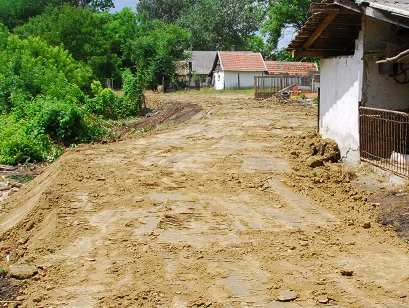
{"points": [[267, 86], [384, 139]]}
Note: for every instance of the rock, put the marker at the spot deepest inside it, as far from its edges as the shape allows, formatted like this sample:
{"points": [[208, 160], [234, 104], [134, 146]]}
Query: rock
{"points": [[287, 296], [22, 271], [347, 273], [323, 299], [315, 162], [29, 225], [4, 187], [7, 168], [366, 225]]}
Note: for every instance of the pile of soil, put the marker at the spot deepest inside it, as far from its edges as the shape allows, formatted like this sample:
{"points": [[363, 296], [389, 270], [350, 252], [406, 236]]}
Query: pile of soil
{"points": [[172, 113], [393, 210], [317, 168]]}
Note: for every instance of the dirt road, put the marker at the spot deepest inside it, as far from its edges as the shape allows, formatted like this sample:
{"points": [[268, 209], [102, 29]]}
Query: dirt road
{"points": [[198, 215]]}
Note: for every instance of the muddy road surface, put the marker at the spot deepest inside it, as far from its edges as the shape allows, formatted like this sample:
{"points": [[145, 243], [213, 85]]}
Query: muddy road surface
{"points": [[198, 214]]}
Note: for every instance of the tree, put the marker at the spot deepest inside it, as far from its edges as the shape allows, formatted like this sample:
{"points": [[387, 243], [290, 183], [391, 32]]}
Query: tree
{"points": [[155, 52], [16, 12], [223, 24], [165, 10], [83, 32], [283, 13]]}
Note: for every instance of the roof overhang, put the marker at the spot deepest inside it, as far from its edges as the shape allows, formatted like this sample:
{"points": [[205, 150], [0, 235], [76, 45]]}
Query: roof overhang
{"points": [[334, 25], [331, 30]]}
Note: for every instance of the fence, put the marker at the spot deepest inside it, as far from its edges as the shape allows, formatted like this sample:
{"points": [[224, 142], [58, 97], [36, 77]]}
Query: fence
{"points": [[384, 139], [267, 86]]}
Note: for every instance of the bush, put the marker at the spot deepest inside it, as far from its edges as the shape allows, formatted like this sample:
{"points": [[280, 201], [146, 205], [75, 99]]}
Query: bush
{"points": [[19, 144], [42, 101], [107, 104]]}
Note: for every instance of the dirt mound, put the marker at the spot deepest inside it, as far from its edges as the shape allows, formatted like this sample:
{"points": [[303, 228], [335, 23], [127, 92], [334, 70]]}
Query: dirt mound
{"points": [[318, 174], [171, 113], [393, 211], [314, 150]]}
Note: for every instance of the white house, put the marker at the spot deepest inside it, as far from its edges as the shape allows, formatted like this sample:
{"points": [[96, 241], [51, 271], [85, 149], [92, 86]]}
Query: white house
{"points": [[237, 69], [364, 99]]}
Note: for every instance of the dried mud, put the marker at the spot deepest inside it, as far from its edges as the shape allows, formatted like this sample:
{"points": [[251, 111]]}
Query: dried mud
{"points": [[220, 211]]}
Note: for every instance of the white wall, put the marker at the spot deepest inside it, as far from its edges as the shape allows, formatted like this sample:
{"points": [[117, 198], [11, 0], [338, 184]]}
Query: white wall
{"points": [[380, 90], [218, 80], [341, 92], [235, 80]]}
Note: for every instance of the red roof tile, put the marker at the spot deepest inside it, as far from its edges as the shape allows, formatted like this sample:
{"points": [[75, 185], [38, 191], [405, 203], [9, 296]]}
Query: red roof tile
{"points": [[242, 61], [291, 68]]}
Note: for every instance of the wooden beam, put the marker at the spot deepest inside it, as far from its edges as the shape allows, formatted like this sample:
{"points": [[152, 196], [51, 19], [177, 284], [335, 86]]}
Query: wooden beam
{"points": [[321, 28]]}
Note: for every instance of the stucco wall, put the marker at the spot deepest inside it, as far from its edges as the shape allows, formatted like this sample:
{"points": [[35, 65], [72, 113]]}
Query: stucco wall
{"points": [[380, 90], [341, 92], [231, 79]]}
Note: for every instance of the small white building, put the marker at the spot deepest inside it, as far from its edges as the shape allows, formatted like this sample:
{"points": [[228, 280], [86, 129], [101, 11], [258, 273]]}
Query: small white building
{"points": [[237, 69], [364, 99]]}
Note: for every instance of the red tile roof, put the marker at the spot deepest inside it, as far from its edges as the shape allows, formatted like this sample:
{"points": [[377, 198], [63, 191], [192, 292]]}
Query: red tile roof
{"points": [[291, 68], [242, 61]]}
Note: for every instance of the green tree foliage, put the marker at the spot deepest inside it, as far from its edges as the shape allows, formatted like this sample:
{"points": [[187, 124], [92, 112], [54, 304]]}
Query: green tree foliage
{"points": [[81, 31], [16, 12], [154, 53], [110, 42], [283, 13], [165, 10], [43, 105], [214, 24]]}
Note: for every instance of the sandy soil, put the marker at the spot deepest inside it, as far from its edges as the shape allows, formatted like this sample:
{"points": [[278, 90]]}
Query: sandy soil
{"points": [[220, 211]]}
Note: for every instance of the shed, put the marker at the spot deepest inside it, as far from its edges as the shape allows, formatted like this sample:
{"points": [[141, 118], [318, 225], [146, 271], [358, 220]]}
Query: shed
{"points": [[237, 69], [197, 69], [364, 103]]}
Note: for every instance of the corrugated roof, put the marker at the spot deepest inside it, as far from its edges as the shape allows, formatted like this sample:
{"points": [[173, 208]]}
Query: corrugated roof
{"points": [[202, 61], [242, 61], [291, 68], [389, 5]]}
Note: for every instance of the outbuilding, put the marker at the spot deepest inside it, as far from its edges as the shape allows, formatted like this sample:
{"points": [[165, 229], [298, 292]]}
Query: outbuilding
{"points": [[195, 72], [364, 101], [237, 69]]}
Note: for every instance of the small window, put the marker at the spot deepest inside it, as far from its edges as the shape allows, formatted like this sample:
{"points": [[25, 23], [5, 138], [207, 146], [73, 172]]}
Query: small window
{"points": [[218, 77]]}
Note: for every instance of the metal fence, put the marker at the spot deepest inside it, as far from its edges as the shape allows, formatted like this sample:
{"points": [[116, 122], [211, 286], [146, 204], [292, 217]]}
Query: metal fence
{"points": [[267, 86], [384, 139]]}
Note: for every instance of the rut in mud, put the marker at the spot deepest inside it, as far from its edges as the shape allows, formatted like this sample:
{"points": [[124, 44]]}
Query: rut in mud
{"points": [[219, 211]]}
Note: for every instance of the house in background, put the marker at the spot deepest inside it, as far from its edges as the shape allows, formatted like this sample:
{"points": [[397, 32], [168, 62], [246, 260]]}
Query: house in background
{"points": [[237, 69], [195, 72], [307, 72], [299, 69], [364, 102]]}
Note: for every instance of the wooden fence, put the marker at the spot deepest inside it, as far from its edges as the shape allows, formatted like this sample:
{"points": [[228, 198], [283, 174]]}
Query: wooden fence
{"points": [[267, 86]]}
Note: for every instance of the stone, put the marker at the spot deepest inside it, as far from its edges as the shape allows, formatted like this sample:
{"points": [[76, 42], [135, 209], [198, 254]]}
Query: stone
{"points": [[22, 271], [29, 226], [315, 162], [347, 273], [7, 168], [323, 299], [287, 296], [366, 225]]}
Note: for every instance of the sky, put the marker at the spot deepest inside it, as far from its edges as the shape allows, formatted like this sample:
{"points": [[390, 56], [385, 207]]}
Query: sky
{"points": [[120, 4]]}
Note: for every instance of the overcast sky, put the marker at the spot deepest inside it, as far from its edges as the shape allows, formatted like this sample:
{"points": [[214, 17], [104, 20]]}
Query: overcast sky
{"points": [[120, 4]]}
